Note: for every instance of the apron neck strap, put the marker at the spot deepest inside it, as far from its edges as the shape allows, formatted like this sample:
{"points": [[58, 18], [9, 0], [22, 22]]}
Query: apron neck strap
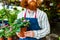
{"points": [[26, 11], [25, 14]]}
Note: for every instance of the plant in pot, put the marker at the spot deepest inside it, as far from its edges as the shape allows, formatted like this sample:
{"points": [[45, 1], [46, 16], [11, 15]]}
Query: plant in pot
{"points": [[11, 16], [1, 34], [21, 25], [2, 15], [9, 30], [8, 33]]}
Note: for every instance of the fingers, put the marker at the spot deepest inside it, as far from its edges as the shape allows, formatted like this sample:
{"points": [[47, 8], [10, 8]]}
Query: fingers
{"points": [[26, 34], [29, 34], [20, 35]]}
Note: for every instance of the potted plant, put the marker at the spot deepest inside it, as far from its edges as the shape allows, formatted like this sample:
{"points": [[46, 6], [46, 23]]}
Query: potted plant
{"points": [[13, 26], [2, 15], [22, 24], [1, 34], [11, 16], [8, 33]]}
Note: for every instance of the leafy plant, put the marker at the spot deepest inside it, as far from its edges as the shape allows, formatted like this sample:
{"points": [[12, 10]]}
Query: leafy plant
{"points": [[11, 16], [8, 32], [14, 25], [20, 23], [1, 33]]}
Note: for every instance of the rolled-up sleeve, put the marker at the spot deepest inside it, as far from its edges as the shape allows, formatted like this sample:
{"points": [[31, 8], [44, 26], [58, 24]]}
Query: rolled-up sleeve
{"points": [[44, 24]]}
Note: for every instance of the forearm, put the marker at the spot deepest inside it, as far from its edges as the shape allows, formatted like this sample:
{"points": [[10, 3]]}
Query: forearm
{"points": [[41, 33]]}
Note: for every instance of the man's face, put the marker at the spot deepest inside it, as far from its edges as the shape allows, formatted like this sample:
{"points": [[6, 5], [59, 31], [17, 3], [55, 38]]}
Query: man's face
{"points": [[32, 4]]}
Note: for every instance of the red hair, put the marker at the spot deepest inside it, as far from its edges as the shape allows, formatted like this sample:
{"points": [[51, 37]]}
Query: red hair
{"points": [[24, 3]]}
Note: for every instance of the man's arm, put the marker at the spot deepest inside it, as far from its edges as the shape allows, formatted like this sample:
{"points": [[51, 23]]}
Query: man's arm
{"points": [[45, 27]]}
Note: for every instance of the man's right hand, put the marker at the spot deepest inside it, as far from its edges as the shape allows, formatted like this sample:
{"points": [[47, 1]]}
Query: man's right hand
{"points": [[20, 35]]}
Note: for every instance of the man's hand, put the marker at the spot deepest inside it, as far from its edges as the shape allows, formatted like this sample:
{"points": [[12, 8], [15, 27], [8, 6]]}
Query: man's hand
{"points": [[20, 35], [26, 34], [29, 34]]}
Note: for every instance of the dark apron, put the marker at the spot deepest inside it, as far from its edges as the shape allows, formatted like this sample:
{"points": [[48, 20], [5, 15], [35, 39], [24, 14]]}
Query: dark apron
{"points": [[33, 26]]}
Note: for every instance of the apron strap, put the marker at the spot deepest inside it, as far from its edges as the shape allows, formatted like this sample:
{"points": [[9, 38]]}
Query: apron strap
{"points": [[26, 11], [35, 14], [25, 15]]}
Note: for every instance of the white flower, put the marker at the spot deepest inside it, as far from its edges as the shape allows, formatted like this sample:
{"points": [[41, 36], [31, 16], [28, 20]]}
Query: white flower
{"points": [[24, 20]]}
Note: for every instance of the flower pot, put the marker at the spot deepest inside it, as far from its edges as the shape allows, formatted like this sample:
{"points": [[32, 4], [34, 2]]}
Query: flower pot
{"points": [[22, 30], [1, 38], [9, 38]]}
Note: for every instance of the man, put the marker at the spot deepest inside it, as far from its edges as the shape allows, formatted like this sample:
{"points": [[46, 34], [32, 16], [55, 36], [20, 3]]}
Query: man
{"points": [[39, 27]]}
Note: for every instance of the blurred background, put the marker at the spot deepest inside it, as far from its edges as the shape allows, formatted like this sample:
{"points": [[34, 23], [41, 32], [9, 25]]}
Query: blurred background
{"points": [[51, 7]]}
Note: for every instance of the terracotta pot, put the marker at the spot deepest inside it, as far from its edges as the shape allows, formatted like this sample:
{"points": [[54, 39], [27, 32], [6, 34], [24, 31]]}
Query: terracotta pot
{"points": [[22, 30], [1, 38], [9, 38]]}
